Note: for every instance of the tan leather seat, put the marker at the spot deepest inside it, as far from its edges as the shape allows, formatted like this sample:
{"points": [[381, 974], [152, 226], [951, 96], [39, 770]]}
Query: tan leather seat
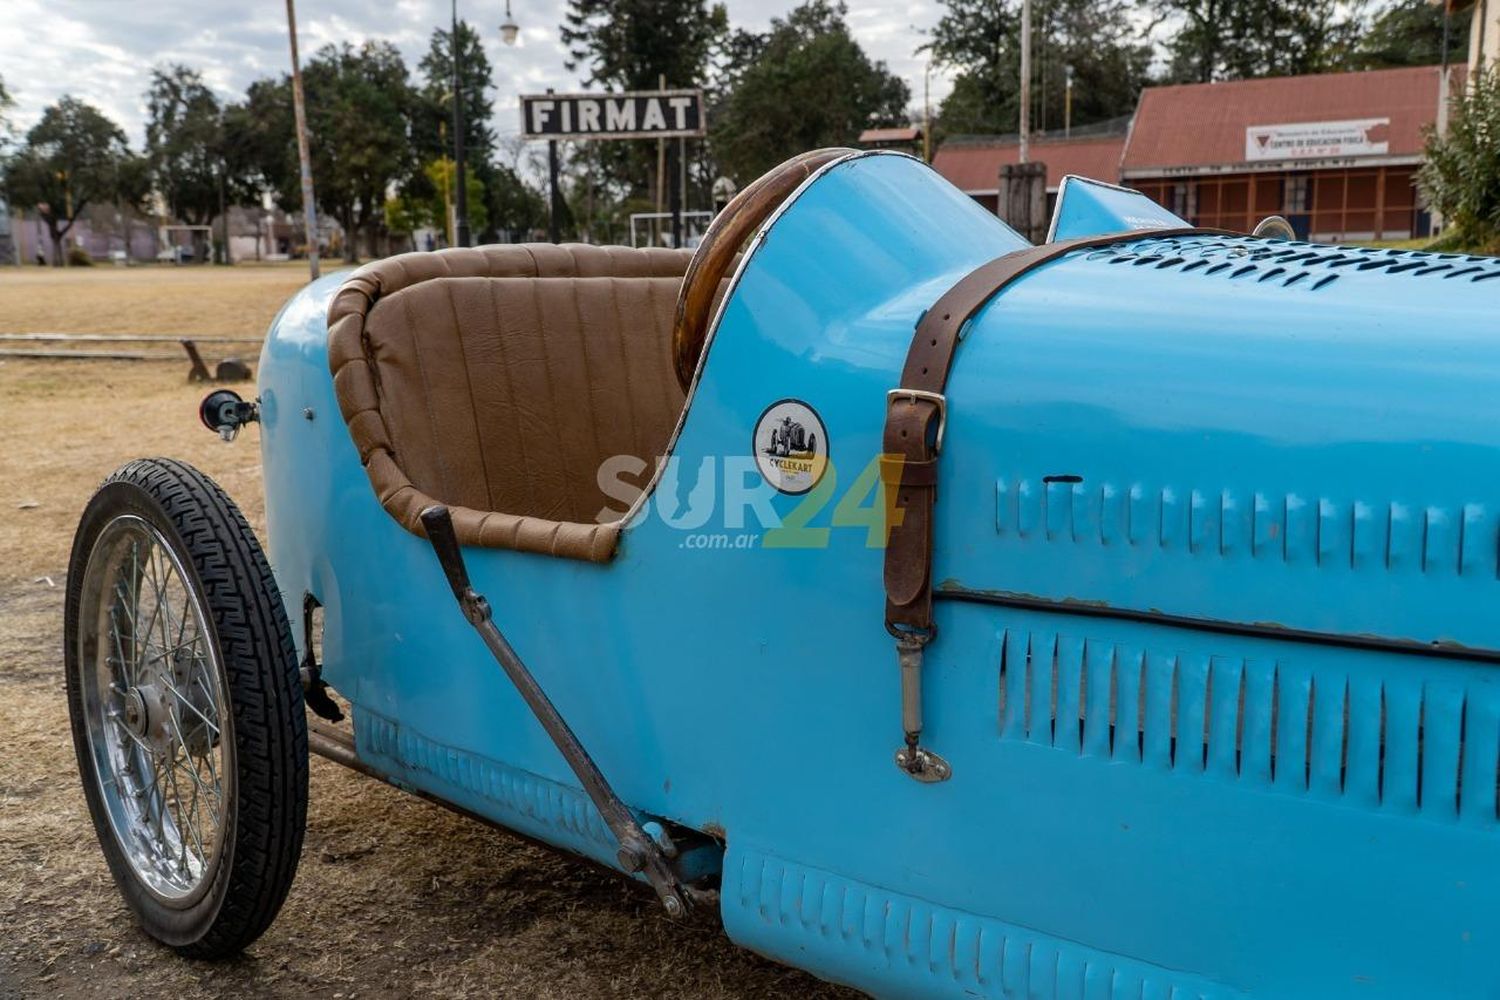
{"points": [[496, 380]]}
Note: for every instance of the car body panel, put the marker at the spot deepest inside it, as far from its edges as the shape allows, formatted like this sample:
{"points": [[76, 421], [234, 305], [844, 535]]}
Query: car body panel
{"points": [[1176, 840]]}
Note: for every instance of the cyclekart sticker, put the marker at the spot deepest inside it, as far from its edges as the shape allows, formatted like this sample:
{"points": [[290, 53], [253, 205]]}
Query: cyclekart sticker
{"points": [[791, 446]]}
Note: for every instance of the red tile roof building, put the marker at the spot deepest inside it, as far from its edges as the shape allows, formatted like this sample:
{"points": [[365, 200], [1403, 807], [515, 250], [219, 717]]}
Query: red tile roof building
{"points": [[973, 164], [1336, 153]]}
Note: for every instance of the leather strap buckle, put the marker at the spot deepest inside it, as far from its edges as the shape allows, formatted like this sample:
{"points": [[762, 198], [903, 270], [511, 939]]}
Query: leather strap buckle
{"points": [[935, 398]]}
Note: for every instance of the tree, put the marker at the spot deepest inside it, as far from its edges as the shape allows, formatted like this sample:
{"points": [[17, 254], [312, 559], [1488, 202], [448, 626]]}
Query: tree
{"points": [[185, 143], [359, 104], [1410, 33], [1241, 39], [806, 83], [982, 39], [6, 103], [408, 211], [432, 110], [260, 142], [72, 158], [630, 44], [634, 45], [1461, 176], [513, 207], [432, 121]]}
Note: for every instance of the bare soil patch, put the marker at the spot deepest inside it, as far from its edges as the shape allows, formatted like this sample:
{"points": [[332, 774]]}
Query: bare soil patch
{"points": [[395, 897]]}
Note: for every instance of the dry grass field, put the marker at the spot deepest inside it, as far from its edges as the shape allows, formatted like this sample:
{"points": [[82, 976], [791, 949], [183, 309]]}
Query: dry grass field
{"points": [[234, 301], [394, 897]]}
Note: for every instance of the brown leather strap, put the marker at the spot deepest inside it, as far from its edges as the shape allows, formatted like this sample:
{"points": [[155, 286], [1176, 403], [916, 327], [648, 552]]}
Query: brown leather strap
{"points": [[916, 415]]}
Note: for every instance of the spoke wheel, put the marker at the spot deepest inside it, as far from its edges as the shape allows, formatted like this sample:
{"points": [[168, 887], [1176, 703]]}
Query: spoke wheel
{"points": [[186, 707]]}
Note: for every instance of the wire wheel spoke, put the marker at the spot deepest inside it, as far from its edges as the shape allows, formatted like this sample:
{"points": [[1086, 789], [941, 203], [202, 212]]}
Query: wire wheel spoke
{"points": [[154, 699]]}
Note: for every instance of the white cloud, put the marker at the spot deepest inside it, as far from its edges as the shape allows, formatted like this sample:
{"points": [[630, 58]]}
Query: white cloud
{"points": [[103, 50]]}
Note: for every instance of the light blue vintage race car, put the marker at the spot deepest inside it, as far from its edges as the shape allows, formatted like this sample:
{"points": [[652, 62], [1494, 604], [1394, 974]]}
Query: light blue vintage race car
{"points": [[950, 616]]}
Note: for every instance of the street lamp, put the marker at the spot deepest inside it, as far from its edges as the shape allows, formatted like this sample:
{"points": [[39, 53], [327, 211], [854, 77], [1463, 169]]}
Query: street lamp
{"points": [[508, 28], [508, 32]]}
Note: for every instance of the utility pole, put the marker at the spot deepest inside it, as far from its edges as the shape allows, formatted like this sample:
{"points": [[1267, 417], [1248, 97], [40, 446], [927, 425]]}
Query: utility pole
{"points": [[1025, 79], [1435, 217], [1068, 101], [927, 112], [461, 187], [223, 217], [309, 209]]}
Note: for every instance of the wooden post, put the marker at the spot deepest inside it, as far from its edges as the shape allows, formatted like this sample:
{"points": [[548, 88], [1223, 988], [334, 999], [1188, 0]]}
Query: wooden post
{"points": [[1344, 207], [1380, 203], [1022, 201]]}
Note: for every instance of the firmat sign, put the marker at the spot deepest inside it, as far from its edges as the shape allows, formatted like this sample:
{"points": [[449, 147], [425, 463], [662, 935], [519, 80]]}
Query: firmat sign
{"points": [[652, 114], [1303, 140]]}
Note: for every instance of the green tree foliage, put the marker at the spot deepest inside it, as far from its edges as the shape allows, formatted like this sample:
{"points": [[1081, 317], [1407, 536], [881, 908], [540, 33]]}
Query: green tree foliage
{"points": [[1461, 177], [1241, 39], [432, 110], [630, 44], [73, 158], [6, 104], [432, 124], [806, 83], [260, 143], [185, 143], [982, 40], [633, 45], [515, 208], [1410, 33], [408, 212], [359, 103]]}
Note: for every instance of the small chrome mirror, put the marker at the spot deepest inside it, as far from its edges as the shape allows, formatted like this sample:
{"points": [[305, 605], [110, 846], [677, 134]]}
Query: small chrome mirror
{"points": [[1274, 227]]}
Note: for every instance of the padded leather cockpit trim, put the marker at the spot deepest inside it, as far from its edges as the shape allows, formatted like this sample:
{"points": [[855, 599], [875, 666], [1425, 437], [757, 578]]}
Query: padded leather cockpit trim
{"points": [[357, 385]]}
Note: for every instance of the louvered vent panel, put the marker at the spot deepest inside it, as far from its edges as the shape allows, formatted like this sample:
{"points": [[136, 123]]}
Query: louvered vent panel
{"points": [[1399, 742]]}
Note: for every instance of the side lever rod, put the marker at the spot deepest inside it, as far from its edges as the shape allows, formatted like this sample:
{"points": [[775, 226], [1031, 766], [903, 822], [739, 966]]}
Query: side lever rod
{"points": [[638, 852]]}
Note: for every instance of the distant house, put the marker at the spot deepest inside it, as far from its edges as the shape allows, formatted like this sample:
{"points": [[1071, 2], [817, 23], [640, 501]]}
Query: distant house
{"points": [[907, 138], [1337, 154]]}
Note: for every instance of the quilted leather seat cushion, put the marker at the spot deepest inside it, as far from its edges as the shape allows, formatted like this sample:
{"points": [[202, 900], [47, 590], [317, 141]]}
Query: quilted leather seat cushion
{"points": [[496, 380]]}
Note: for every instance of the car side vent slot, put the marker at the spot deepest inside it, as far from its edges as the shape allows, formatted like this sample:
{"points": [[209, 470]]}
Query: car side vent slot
{"points": [[1395, 735]]}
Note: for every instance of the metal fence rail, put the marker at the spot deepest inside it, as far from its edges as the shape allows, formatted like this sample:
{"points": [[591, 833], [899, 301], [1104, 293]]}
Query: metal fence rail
{"points": [[129, 338], [89, 355]]}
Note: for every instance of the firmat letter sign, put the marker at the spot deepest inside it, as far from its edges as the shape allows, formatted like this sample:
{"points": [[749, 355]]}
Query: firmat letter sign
{"points": [[654, 114]]}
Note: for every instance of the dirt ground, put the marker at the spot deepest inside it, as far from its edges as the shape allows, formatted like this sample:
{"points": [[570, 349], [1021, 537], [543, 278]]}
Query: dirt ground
{"points": [[395, 897]]}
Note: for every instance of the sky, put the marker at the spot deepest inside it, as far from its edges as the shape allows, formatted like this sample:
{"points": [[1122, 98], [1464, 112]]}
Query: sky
{"points": [[103, 50]]}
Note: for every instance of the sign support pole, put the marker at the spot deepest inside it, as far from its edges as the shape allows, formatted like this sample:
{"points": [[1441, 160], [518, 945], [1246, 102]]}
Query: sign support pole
{"points": [[554, 212], [674, 197]]}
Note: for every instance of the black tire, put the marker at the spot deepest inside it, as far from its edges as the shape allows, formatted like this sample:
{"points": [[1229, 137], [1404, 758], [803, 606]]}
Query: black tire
{"points": [[264, 814]]}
